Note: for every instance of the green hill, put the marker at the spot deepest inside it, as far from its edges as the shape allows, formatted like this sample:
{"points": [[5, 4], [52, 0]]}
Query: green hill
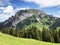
{"points": [[10, 40], [23, 19]]}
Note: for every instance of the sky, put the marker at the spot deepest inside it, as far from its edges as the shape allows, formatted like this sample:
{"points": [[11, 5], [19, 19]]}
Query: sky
{"points": [[8, 8]]}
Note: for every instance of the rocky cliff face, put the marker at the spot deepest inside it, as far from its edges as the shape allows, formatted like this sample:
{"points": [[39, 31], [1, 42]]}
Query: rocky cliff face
{"points": [[20, 16], [27, 17]]}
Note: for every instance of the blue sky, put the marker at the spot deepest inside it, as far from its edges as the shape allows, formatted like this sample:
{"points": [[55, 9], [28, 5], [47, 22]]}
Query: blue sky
{"points": [[9, 7]]}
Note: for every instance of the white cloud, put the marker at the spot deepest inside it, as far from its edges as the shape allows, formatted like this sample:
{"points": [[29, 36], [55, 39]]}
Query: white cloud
{"points": [[45, 3], [4, 16], [2, 8], [6, 12], [9, 11], [4, 2]]}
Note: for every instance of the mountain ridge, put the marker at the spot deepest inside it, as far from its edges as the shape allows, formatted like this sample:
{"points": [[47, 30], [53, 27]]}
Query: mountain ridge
{"points": [[30, 15]]}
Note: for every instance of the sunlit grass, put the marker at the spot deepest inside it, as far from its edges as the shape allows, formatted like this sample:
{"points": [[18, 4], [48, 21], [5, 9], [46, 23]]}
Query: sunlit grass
{"points": [[10, 40]]}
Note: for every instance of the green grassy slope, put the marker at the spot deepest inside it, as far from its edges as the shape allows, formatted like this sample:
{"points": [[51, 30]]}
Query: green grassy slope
{"points": [[10, 40], [32, 21]]}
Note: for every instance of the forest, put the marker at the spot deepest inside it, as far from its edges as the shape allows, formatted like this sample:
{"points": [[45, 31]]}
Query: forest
{"points": [[33, 33]]}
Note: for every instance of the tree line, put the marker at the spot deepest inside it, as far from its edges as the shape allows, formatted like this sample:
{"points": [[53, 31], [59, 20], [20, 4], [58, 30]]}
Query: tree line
{"points": [[33, 33]]}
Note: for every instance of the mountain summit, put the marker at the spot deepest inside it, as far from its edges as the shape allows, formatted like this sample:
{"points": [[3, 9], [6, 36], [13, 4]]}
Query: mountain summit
{"points": [[21, 15], [30, 17]]}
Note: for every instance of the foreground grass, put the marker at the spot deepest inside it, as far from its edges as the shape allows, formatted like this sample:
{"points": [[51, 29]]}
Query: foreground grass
{"points": [[10, 40]]}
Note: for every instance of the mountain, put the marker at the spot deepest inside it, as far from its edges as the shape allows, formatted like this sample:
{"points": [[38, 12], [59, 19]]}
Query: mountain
{"points": [[24, 19], [33, 24]]}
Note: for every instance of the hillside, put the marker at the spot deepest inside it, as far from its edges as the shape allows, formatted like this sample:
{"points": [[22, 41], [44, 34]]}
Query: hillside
{"points": [[31, 17], [34, 24], [10, 40]]}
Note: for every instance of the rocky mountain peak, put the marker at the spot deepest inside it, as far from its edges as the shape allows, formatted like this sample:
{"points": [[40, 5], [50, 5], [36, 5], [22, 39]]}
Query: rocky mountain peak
{"points": [[25, 14]]}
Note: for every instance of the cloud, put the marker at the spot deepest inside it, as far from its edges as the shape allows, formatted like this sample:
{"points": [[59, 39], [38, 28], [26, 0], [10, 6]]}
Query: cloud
{"points": [[9, 11], [4, 2], [6, 12], [45, 3]]}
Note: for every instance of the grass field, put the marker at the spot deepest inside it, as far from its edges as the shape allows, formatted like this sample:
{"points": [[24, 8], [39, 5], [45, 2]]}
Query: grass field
{"points": [[10, 40]]}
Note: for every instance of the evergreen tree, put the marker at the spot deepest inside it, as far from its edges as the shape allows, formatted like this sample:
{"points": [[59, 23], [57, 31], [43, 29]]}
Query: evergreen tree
{"points": [[46, 36], [56, 37]]}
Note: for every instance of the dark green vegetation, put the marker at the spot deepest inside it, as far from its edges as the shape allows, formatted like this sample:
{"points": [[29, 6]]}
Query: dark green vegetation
{"points": [[33, 33], [33, 24], [6, 39]]}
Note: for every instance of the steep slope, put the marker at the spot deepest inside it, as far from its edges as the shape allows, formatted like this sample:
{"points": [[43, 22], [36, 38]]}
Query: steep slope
{"points": [[30, 17], [56, 24], [10, 40], [38, 19]]}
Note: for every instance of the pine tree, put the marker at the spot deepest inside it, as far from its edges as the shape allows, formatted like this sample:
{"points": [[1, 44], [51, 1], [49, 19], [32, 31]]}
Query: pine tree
{"points": [[46, 36], [56, 36]]}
